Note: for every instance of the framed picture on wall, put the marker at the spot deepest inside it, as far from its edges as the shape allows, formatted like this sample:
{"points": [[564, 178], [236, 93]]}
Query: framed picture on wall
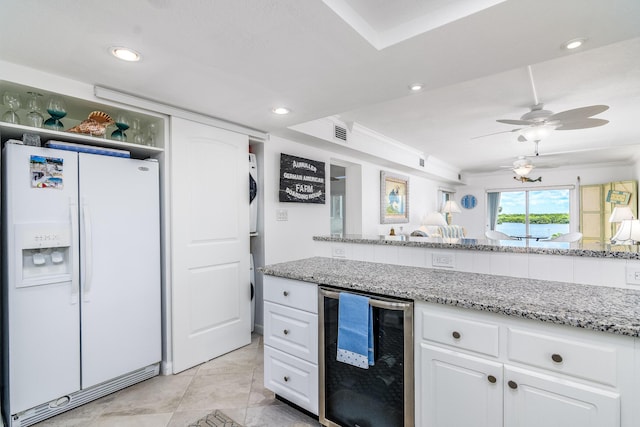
{"points": [[394, 198]]}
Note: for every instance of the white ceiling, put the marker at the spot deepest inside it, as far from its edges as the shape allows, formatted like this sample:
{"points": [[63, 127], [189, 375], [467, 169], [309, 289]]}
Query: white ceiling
{"points": [[236, 59]]}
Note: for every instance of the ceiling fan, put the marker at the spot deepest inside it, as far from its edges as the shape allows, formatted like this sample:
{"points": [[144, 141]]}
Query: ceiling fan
{"points": [[538, 123], [522, 166]]}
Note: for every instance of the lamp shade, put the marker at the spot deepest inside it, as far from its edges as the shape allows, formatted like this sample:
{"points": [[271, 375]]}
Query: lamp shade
{"points": [[621, 213], [433, 218], [537, 132], [628, 233], [450, 206]]}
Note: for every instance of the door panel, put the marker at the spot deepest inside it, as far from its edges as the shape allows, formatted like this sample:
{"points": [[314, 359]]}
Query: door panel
{"points": [[119, 211], [42, 311], [533, 400], [456, 390], [210, 252]]}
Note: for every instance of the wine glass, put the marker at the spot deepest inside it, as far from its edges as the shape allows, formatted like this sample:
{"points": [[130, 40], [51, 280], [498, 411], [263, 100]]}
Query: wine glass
{"points": [[150, 140], [11, 100], [34, 117], [122, 123], [136, 129], [56, 110]]}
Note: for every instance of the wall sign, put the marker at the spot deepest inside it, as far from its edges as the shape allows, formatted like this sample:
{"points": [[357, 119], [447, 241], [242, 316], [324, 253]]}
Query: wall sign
{"points": [[301, 180], [618, 197]]}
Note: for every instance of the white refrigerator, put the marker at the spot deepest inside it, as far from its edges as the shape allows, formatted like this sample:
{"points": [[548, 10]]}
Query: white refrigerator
{"points": [[81, 278]]}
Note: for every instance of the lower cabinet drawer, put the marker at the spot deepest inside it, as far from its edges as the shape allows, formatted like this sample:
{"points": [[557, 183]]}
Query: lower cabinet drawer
{"points": [[292, 331], [292, 293], [292, 378], [559, 354], [456, 331]]}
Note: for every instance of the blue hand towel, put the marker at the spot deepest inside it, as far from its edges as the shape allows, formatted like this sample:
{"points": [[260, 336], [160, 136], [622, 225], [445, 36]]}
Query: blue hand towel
{"points": [[355, 330]]}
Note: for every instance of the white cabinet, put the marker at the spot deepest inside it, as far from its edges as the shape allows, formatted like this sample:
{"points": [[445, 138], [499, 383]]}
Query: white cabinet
{"points": [[291, 340], [458, 389], [534, 399], [481, 369]]}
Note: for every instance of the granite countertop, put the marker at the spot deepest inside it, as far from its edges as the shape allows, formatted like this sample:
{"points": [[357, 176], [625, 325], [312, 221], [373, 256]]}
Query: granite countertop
{"points": [[611, 310], [594, 250]]}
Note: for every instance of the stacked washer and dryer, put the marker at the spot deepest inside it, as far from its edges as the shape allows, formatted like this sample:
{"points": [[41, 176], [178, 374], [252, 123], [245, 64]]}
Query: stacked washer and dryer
{"points": [[253, 228]]}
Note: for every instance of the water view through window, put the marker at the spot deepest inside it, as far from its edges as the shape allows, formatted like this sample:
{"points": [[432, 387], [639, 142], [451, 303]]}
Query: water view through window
{"points": [[536, 213]]}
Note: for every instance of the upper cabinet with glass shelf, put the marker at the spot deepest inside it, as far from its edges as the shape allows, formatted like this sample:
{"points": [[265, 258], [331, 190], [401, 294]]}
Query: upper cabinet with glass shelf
{"points": [[57, 117]]}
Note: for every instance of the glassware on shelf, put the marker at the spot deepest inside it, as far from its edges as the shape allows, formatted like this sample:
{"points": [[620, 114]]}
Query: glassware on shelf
{"points": [[57, 111], [150, 139], [136, 130], [11, 100], [34, 106], [122, 123]]}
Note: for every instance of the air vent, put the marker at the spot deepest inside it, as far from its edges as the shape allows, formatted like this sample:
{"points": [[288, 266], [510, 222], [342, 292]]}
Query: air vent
{"points": [[340, 133], [422, 162]]}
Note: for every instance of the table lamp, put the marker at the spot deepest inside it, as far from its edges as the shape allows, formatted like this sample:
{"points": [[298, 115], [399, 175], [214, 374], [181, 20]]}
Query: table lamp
{"points": [[621, 214], [450, 207]]}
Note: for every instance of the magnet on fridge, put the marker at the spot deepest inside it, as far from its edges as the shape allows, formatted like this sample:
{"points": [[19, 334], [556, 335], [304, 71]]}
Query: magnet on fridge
{"points": [[38, 259]]}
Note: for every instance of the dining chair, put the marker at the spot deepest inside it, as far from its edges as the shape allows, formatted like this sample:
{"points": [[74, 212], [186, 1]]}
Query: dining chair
{"points": [[497, 235], [574, 236]]}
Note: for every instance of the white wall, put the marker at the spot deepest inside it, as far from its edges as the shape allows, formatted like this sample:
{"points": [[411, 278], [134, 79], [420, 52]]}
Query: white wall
{"points": [[292, 239], [474, 220]]}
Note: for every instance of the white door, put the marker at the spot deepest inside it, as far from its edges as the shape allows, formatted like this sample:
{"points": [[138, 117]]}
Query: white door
{"points": [[120, 266], [211, 292], [459, 390], [42, 309], [533, 399]]}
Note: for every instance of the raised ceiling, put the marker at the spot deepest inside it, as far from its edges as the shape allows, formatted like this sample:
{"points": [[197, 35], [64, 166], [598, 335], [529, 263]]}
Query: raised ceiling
{"points": [[236, 59]]}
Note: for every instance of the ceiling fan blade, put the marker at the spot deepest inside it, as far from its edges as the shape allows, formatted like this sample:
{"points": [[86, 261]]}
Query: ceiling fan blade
{"points": [[583, 124], [496, 133], [578, 113], [515, 122]]}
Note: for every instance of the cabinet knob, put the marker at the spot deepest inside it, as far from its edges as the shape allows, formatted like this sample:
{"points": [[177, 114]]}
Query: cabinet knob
{"points": [[512, 385], [556, 358], [491, 379], [456, 335], [285, 293], [286, 332], [286, 379]]}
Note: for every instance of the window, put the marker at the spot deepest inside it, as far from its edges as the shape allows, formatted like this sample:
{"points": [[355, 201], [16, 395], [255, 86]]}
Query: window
{"points": [[537, 213]]}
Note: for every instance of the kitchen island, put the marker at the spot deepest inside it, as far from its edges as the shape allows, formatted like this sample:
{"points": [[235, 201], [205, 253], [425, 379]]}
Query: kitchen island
{"points": [[542, 247], [591, 264], [525, 352]]}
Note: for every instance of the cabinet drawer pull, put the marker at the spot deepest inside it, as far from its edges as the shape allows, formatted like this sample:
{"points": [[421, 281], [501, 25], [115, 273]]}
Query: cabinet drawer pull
{"points": [[556, 358], [285, 293], [286, 379], [286, 332], [491, 379], [456, 335], [513, 385]]}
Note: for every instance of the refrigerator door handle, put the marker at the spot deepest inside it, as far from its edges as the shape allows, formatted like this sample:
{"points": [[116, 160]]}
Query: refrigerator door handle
{"points": [[75, 276], [88, 251]]}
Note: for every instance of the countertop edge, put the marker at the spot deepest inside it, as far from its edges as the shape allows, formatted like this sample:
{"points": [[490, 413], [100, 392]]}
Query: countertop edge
{"points": [[484, 247]]}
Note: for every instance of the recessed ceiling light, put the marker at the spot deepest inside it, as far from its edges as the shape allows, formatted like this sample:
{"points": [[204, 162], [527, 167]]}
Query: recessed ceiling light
{"points": [[125, 53], [281, 110], [416, 87], [574, 44]]}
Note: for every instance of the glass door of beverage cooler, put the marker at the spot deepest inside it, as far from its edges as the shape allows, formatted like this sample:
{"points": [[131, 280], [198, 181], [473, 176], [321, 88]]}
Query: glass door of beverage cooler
{"points": [[381, 396]]}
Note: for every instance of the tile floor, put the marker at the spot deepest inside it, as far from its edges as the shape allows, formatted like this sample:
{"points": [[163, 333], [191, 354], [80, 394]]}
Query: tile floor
{"points": [[232, 383]]}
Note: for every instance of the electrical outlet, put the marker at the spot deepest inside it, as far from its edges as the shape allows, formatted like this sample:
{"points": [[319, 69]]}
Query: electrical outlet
{"points": [[633, 274], [443, 260], [282, 215], [338, 252]]}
